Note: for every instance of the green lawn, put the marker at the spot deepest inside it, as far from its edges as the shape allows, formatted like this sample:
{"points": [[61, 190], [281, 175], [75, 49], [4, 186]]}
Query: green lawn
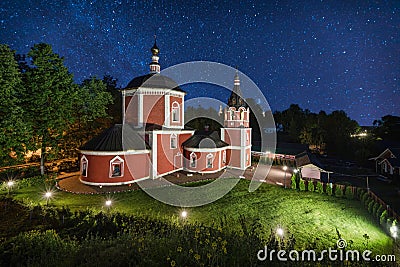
{"points": [[310, 217]]}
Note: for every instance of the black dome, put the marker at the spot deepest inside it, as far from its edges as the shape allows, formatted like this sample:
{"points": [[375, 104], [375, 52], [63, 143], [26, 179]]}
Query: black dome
{"points": [[117, 138], [157, 81]]}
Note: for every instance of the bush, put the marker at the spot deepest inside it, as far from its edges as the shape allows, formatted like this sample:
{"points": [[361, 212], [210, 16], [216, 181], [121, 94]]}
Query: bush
{"points": [[379, 212], [364, 197], [371, 206], [349, 193], [383, 218], [375, 209], [310, 186], [320, 188], [329, 191], [302, 185], [294, 185], [338, 191]]}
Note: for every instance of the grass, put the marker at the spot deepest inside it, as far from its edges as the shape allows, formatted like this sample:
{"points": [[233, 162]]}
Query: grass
{"points": [[311, 217]]}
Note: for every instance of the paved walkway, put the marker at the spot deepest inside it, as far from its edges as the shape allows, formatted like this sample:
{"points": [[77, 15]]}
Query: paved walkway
{"points": [[70, 182]]}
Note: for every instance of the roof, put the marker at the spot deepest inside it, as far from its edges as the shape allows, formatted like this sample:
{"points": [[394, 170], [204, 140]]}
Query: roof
{"points": [[306, 158], [117, 138], [205, 139], [157, 81], [153, 127]]}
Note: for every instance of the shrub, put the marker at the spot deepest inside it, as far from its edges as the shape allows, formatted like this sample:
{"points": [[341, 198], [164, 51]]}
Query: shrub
{"points": [[364, 197], [349, 193], [367, 201], [310, 186], [294, 185], [302, 185], [375, 209], [338, 191], [383, 218], [329, 191], [379, 212], [320, 188], [371, 206]]}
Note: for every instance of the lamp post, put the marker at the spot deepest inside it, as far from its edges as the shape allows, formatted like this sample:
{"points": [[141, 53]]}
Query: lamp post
{"points": [[284, 179]]}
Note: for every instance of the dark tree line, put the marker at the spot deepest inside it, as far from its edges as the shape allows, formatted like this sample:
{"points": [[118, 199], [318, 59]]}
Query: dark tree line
{"points": [[42, 108]]}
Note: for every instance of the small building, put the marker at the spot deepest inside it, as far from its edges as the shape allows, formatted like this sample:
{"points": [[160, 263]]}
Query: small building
{"points": [[310, 167], [388, 162]]}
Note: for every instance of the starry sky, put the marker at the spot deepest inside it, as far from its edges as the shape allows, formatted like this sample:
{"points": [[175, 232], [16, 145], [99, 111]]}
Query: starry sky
{"points": [[322, 55]]}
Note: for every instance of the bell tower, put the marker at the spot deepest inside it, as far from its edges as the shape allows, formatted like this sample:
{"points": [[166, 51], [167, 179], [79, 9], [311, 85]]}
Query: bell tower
{"points": [[236, 131]]}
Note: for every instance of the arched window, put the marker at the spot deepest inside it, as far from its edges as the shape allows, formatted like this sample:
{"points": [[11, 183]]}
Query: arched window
{"points": [[84, 166], [116, 167], [174, 141], [175, 112], [224, 156], [241, 110], [210, 159], [193, 160], [232, 113]]}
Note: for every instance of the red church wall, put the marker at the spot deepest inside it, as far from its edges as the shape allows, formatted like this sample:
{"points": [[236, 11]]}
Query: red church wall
{"points": [[235, 158], [166, 154], [232, 137], [153, 109], [201, 162], [98, 171], [131, 110]]}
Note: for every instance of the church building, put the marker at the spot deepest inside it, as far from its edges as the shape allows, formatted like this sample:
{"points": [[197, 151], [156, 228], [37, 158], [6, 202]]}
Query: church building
{"points": [[153, 141]]}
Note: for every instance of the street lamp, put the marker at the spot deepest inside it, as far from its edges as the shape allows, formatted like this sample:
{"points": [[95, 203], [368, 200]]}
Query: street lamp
{"points": [[284, 179]]}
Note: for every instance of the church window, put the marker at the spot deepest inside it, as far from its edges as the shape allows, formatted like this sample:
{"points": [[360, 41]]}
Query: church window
{"points": [[175, 112], [193, 160], [116, 167], [84, 166], [210, 159], [174, 141]]}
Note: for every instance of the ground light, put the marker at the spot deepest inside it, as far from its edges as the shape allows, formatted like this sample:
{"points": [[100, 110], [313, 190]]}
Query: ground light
{"points": [[10, 185], [284, 179], [393, 231], [184, 214], [108, 203], [47, 196], [280, 231]]}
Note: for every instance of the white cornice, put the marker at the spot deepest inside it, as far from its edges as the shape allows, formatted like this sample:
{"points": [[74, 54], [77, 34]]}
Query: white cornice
{"points": [[113, 153]]}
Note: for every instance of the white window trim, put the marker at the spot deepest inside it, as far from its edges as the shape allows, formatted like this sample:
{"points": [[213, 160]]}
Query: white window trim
{"points": [[224, 157], [175, 106], [210, 156], [193, 156], [87, 165], [122, 162], [173, 136]]}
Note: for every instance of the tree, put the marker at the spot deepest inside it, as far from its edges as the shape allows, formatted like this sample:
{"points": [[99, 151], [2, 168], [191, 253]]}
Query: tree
{"points": [[50, 99], [14, 130], [115, 107], [94, 100], [388, 128]]}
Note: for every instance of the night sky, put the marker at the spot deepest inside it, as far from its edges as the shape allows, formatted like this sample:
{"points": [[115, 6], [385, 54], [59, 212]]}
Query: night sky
{"points": [[325, 55]]}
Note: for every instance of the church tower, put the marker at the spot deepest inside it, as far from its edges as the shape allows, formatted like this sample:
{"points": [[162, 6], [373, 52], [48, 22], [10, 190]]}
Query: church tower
{"points": [[236, 131], [154, 65]]}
